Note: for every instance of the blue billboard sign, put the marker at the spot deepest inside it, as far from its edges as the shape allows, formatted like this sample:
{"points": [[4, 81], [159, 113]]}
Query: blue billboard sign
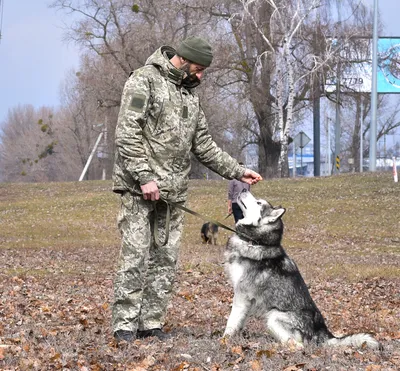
{"points": [[388, 78], [356, 66]]}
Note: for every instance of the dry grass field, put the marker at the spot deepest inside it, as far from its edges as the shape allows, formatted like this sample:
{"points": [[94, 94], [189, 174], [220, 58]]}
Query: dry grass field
{"points": [[59, 245]]}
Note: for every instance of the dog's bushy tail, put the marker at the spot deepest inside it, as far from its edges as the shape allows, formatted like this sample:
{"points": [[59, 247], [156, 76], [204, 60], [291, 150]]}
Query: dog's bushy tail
{"points": [[355, 340]]}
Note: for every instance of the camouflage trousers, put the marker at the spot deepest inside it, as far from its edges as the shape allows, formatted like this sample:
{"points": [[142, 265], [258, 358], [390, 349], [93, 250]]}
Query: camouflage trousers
{"points": [[145, 276]]}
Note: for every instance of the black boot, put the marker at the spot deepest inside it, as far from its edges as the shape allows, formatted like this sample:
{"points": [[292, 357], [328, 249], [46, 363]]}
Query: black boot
{"points": [[126, 335], [157, 332]]}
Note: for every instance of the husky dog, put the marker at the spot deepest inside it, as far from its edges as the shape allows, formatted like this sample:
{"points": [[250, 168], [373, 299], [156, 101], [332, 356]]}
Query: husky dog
{"points": [[268, 284], [209, 233]]}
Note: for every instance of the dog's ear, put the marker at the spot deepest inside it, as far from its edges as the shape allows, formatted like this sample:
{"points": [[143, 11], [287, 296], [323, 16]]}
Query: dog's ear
{"points": [[276, 214]]}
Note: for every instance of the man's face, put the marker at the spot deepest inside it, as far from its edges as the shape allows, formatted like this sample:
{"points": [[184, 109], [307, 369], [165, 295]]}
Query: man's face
{"points": [[194, 72]]}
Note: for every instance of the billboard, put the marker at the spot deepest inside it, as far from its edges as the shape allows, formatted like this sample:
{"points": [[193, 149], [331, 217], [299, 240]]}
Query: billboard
{"points": [[356, 66]]}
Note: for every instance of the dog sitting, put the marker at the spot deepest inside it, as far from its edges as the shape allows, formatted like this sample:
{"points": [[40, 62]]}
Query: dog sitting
{"points": [[209, 233], [268, 284]]}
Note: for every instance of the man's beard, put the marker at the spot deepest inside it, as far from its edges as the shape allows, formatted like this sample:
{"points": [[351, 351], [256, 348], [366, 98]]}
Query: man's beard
{"points": [[190, 80]]}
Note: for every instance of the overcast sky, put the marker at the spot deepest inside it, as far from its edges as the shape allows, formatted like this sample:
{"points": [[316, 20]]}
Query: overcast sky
{"points": [[34, 59]]}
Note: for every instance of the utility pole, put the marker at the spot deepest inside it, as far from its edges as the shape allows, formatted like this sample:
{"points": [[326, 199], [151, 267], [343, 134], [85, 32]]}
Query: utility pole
{"points": [[317, 107], [317, 127], [361, 136], [91, 156], [374, 94], [328, 157], [337, 123]]}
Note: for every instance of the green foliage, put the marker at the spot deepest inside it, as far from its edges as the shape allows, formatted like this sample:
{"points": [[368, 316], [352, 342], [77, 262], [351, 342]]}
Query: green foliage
{"points": [[245, 66], [27, 161], [49, 149], [135, 8], [44, 128]]}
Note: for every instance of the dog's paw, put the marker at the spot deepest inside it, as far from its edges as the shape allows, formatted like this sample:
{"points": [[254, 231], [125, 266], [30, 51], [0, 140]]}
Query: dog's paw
{"points": [[229, 332], [294, 345]]}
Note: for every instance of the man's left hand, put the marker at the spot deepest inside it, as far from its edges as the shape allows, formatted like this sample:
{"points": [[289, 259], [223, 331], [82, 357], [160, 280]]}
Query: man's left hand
{"points": [[250, 177]]}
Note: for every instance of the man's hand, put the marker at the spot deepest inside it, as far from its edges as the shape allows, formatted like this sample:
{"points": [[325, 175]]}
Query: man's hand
{"points": [[229, 207], [150, 191], [250, 177]]}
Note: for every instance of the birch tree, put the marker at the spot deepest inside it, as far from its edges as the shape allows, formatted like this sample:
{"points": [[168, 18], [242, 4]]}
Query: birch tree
{"points": [[288, 24]]}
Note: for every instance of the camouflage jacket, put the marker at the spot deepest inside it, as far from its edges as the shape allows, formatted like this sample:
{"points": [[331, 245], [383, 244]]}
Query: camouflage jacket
{"points": [[159, 123]]}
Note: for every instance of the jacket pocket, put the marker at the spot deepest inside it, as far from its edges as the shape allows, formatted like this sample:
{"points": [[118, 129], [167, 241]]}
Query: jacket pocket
{"points": [[129, 203], [166, 119]]}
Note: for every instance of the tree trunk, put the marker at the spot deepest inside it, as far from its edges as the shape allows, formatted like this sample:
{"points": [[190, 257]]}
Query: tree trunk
{"points": [[268, 154]]}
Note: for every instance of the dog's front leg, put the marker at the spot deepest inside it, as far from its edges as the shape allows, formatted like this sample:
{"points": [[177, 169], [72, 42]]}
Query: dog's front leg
{"points": [[240, 310]]}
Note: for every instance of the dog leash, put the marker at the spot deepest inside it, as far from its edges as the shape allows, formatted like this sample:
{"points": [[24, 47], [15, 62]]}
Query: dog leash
{"points": [[157, 241], [205, 218], [165, 196]]}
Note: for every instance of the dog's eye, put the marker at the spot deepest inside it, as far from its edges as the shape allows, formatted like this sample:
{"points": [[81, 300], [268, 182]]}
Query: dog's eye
{"points": [[259, 203]]}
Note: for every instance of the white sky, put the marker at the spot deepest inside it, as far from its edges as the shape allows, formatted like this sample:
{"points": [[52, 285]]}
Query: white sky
{"points": [[34, 59]]}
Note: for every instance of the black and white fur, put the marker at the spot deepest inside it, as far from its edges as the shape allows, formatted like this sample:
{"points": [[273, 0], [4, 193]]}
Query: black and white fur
{"points": [[268, 284]]}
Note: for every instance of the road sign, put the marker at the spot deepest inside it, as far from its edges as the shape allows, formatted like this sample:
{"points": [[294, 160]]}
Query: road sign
{"points": [[301, 140]]}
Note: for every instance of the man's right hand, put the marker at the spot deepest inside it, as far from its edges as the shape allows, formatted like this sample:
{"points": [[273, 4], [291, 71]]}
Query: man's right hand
{"points": [[250, 177], [150, 191]]}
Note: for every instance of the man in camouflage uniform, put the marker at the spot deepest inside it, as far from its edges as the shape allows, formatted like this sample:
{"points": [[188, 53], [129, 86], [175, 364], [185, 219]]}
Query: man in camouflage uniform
{"points": [[160, 122]]}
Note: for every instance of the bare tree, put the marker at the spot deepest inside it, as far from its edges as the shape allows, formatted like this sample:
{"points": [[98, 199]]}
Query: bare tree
{"points": [[270, 67], [356, 123], [117, 37], [28, 143], [354, 57], [265, 66], [282, 53]]}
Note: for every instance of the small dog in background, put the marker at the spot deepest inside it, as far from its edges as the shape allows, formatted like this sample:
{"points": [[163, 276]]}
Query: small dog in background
{"points": [[209, 233]]}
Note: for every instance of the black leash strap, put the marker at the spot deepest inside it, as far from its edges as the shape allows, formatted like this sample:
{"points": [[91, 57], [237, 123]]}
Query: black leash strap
{"points": [[157, 241], [170, 203], [205, 218]]}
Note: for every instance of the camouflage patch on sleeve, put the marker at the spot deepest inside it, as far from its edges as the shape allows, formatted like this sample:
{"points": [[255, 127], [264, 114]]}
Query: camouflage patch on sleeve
{"points": [[137, 102]]}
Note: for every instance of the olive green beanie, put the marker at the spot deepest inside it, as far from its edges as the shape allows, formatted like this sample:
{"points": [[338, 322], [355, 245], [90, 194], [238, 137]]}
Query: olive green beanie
{"points": [[196, 50]]}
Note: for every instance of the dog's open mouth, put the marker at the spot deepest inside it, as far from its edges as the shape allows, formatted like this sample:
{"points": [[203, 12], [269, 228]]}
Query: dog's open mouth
{"points": [[249, 206], [240, 199]]}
